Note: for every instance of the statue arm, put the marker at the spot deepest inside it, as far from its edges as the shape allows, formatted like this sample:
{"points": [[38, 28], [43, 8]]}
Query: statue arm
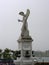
{"points": [[27, 13], [20, 20]]}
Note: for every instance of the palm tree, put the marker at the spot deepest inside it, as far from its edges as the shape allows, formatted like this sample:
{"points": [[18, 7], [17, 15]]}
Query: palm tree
{"points": [[6, 54], [13, 55]]}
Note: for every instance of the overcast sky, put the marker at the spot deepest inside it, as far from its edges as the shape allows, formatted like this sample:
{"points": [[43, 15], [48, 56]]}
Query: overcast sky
{"points": [[38, 23]]}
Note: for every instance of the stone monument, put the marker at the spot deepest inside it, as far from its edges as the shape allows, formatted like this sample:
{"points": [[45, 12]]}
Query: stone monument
{"points": [[25, 42]]}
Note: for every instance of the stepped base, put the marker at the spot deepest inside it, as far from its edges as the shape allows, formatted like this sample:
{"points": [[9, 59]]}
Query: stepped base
{"points": [[25, 61]]}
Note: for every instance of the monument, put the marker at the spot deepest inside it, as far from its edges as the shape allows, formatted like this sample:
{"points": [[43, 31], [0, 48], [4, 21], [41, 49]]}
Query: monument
{"points": [[25, 42]]}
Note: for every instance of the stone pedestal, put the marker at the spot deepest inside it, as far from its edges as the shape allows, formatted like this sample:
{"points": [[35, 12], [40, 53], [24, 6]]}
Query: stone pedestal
{"points": [[25, 45]]}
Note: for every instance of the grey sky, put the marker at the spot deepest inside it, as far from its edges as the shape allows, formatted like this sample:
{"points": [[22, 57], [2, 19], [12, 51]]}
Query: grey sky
{"points": [[38, 23]]}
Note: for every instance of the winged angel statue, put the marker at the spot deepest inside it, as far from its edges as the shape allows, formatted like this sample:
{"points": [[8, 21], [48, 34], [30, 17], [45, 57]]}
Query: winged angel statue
{"points": [[24, 30]]}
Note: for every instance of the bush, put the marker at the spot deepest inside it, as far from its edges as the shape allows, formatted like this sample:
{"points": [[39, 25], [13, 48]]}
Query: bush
{"points": [[45, 63]]}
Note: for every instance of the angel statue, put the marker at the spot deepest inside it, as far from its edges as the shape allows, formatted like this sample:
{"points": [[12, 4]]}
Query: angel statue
{"points": [[24, 29]]}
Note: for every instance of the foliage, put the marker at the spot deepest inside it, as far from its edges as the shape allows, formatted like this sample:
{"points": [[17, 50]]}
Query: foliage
{"points": [[6, 54], [13, 54], [42, 63], [9, 54], [0, 53]]}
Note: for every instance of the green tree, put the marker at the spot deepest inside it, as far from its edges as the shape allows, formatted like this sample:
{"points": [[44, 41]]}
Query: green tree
{"points": [[13, 55], [6, 54], [0, 53]]}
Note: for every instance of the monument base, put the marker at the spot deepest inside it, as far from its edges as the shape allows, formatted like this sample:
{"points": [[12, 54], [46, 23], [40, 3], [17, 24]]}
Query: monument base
{"points": [[25, 61]]}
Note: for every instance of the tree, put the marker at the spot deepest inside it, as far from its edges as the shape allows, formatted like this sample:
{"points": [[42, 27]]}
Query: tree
{"points": [[6, 54], [0, 53], [13, 54]]}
